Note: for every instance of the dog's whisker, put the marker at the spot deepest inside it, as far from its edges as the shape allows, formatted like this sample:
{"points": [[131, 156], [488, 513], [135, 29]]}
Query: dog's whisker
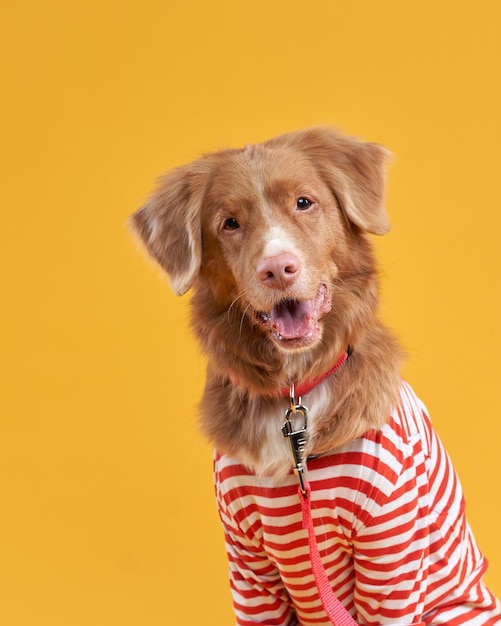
{"points": [[235, 300], [238, 297], [242, 319]]}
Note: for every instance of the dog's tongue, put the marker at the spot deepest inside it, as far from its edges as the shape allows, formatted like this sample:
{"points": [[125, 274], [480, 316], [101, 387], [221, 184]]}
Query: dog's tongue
{"points": [[292, 319], [296, 319]]}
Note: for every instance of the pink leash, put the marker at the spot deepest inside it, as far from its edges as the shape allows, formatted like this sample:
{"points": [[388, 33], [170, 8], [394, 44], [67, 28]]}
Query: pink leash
{"points": [[296, 434], [336, 612]]}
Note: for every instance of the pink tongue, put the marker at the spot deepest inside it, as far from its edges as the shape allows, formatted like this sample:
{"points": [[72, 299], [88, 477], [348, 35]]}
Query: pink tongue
{"points": [[292, 319]]}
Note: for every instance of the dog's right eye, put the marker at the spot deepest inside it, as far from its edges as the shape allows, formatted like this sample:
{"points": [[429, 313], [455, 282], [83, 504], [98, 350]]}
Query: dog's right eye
{"points": [[231, 224], [303, 203]]}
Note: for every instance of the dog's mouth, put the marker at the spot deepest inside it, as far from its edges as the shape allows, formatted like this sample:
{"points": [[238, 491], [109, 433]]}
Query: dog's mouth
{"points": [[296, 323]]}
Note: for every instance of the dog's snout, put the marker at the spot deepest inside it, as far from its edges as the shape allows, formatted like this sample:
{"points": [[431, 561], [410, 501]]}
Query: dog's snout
{"points": [[278, 272]]}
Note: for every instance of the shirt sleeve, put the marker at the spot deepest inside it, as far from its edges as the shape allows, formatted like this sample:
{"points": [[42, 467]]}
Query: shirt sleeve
{"points": [[259, 596]]}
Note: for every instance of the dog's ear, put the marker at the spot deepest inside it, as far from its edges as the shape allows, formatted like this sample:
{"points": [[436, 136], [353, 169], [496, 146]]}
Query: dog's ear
{"points": [[169, 224], [356, 171]]}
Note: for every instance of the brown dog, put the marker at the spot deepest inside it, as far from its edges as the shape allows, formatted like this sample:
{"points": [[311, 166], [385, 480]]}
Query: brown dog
{"points": [[273, 240]]}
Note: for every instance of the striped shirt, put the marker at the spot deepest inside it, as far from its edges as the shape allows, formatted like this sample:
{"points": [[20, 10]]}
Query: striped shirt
{"points": [[389, 519]]}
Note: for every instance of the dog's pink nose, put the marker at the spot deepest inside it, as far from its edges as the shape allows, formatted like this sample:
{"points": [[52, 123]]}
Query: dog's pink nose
{"points": [[278, 272]]}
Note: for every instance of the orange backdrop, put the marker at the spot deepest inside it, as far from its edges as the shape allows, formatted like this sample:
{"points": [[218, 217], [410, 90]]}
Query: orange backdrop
{"points": [[107, 513]]}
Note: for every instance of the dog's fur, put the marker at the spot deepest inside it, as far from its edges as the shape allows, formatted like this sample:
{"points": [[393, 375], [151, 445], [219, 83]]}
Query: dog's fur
{"points": [[273, 240]]}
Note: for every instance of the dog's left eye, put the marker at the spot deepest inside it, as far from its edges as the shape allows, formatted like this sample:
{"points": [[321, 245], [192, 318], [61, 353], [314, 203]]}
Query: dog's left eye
{"points": [[303, 203], [231, 224]]}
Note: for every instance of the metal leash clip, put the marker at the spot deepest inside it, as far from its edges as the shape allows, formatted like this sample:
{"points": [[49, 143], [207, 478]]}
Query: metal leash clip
{"points": [[297, 438]]}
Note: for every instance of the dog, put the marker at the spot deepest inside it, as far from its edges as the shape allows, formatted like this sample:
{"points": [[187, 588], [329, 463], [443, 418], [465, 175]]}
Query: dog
{"points": [[273, 239]]}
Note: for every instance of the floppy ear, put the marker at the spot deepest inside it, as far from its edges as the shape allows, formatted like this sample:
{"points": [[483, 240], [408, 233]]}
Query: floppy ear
{"points": [[169, 223], [356, 172]]}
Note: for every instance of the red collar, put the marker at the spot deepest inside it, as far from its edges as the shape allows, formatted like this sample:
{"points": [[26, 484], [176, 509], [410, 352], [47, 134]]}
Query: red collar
{"points": [[304, 388]]}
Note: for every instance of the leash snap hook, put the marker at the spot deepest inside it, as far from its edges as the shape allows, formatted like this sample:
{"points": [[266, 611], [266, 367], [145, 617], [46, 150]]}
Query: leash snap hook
{"points": [[297, 435]]}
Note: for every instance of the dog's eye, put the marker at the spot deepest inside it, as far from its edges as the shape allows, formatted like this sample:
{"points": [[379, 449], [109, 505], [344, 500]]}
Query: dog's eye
{"points": [[231, 224], [303, 203]]}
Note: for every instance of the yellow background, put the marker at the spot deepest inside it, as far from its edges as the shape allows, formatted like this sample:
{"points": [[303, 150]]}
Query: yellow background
{"points": [[107, 515]]}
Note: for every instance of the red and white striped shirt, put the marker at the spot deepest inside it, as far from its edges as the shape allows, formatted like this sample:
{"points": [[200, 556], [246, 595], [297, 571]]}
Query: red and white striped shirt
{"points": [[390, 525]]}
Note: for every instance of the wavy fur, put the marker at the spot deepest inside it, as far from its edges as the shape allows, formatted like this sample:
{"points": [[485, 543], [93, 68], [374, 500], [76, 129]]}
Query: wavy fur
{"points": [[185, 228]]}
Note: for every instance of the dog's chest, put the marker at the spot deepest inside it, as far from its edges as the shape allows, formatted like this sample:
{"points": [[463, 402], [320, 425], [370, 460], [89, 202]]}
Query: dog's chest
{"points": [[273, 457]]}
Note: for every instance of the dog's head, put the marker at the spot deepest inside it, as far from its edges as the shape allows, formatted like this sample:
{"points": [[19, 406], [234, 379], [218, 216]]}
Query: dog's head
{"points": [[270, 228]]}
